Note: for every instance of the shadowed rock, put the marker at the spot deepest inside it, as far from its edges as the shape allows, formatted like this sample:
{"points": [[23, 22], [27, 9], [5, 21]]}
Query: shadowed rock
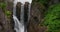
{"points": [[18, 10], [2, 1], [26, 9]]}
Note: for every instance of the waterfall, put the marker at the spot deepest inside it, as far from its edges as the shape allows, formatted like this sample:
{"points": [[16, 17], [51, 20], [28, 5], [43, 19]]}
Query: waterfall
{"points": [[22, 14], [29, 11], [27, 7], [14, 9], [19, 25]]}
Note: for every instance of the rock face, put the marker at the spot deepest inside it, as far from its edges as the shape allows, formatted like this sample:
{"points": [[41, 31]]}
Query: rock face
{"points": [[26, 9], [2, 20], [4, 24], [18, 10], [37, 11], [10, 21]]}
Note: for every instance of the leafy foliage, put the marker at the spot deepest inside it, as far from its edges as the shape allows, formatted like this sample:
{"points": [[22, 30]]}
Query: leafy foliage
{"points": [[3, 6], [52, 18], [7, 13]]}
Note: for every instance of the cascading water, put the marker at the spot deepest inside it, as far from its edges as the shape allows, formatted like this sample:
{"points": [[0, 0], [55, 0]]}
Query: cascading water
{"points": [[14, 9], [29, 11], [19, 25], [22, 14], [29, 7]]}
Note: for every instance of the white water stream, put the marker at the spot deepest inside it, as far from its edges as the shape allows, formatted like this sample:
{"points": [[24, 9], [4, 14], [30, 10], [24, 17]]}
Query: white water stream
{"points": [[19, 25]]}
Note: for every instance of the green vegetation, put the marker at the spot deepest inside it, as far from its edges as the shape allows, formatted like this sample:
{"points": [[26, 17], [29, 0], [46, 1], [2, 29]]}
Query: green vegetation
{"points": [[3, 6], [52, 18], [8, 13], [42, 1]]}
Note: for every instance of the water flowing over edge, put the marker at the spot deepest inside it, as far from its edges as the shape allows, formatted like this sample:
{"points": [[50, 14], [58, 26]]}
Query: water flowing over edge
{"points": [[19, 25]]}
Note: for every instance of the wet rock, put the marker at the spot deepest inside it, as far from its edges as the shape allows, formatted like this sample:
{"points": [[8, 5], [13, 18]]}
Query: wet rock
{"points": [[18, 10], [26, 11]]}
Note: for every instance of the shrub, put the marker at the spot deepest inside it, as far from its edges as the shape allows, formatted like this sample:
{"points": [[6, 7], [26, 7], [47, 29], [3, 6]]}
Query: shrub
{"points": [[3, 5], [52, 18]]}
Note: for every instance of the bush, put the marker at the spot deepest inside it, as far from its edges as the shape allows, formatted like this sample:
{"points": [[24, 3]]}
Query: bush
{"points": [[52, 18], [3, 5]]}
